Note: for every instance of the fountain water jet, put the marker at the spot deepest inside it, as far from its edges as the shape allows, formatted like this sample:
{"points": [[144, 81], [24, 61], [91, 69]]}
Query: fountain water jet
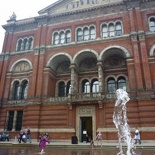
{"points": [[120, 121]]}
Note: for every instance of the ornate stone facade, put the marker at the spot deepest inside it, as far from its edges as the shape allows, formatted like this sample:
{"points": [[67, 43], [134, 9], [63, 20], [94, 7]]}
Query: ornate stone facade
{"points": [[80, 52]]}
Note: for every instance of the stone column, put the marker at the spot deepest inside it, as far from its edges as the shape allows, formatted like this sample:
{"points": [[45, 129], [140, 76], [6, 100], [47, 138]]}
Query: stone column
{"points": [[100, 76], [74, 79], [14, 121]]}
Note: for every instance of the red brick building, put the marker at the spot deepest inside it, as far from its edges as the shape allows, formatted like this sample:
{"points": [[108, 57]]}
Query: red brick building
{"points": [[59, 70]]}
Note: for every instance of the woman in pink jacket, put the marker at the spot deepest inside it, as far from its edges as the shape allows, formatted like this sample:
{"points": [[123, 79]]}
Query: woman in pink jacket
{"points": [[42, 143]]}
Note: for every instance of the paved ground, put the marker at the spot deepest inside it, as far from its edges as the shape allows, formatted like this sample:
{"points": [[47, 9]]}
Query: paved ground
{"points": [[105, 144]]}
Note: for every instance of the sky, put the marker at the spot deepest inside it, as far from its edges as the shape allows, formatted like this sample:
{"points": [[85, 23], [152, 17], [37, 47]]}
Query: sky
{"points": [[22, 8]]}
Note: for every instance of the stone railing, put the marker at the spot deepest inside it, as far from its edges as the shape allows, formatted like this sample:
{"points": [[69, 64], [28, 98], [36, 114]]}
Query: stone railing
{"points": [[82, 97], [71, 98]]}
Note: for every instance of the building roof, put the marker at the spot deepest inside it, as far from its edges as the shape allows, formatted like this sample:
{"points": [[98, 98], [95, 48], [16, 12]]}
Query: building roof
{"points": [[64, 6]]}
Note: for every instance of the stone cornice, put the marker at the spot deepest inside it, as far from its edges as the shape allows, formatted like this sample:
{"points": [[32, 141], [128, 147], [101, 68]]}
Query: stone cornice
{"points": [[42, 19], [47, 18]]}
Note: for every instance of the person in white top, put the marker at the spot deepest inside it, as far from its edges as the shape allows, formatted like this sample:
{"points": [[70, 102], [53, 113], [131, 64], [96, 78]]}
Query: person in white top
{"points": [[137, 136], [99, 138], [84, 136]]}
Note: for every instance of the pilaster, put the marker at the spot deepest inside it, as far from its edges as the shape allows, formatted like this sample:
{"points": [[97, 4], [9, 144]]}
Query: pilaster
{"points": [[3, 75], [131, 18], [33, 82], [137, 64], [144, 59], [74, 79], [100, 76], [40, 73]]}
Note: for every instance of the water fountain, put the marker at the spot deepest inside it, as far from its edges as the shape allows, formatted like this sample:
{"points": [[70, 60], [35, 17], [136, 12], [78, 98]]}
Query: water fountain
{"points": [[120, 121]]}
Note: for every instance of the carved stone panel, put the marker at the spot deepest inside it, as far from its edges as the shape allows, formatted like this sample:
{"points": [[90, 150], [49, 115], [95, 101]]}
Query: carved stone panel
{"points": [[22, 67]]}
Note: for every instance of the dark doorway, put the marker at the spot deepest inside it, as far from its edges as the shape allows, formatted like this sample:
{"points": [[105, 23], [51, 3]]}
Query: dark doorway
{"points": [[86, 124]]}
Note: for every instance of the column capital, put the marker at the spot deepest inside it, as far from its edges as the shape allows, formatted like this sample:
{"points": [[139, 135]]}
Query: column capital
{"points": [[133, 36], [141, 35], [100, 103], [99, 63]]}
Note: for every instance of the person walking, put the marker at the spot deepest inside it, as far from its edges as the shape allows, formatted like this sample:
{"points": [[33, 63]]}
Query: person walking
{"points": [[21, 133], [99, 138], [28, 135], [42, 143], [137, 136]]}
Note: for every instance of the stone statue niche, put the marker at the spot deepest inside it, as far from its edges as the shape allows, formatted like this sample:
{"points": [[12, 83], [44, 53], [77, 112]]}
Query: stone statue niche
{"points": [[120, 121]]}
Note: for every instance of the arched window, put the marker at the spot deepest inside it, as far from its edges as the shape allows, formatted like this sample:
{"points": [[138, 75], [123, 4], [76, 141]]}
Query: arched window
{"points": [[30, 42], [95, 86], [86, 34], [79, 35], [92, 32], [19, 45], [62, 37], [61, 89], [152, 24], [88, 2], [68, 37], [121, 83], [82, 3], [111, 85], [25, 44], [111, 30], [16, 90], [68, 89], [118, 29], [56, 39], [85, 86], [24, 90], [104, 31]]}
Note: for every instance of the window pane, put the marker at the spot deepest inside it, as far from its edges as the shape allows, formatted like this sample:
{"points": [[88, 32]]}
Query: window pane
{"points": [[30, 44], [152, 24], [61, 89], [62, 38], [19, 120], [121, 83], [10, 120], [19, 46], [118, 29], [68, 90], [56, 39], [68, 37], [79, 35], [95, 87], [86, 34], [111, 30], [87, 87], [16, 91], [92, 33], [24, 90], [111, 86], [25, 44], [104, 31]]}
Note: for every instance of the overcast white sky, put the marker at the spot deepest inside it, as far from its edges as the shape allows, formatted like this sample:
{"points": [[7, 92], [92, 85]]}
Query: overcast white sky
{"points": [[22, 8]]}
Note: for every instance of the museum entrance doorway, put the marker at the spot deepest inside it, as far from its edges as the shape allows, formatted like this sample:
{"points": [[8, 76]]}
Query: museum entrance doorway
{"points": [[86, 127], [85, 119]]}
